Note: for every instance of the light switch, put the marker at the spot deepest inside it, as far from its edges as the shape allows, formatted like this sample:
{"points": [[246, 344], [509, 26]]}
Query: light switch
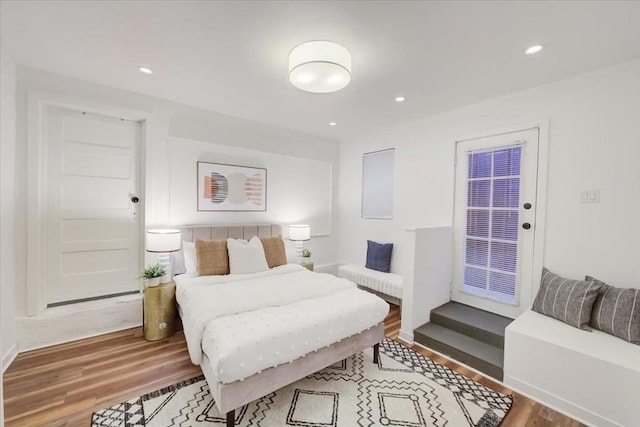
{"points": [[590, 196]]}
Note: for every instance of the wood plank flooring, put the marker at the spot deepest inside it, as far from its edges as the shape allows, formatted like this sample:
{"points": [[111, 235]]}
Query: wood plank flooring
{"points": [[62, 385]]}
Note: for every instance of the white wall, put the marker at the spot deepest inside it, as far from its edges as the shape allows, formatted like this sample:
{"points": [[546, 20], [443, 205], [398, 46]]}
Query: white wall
{"points": [[7, 204], [167, 121], [594, 143]]}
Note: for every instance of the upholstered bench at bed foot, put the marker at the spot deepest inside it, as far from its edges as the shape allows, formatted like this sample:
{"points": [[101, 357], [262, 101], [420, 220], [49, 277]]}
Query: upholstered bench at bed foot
{"points": [[386, 284], [231, 415]]}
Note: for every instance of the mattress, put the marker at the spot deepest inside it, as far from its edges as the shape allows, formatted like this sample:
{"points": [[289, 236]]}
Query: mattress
{"points": [[281, 316]]}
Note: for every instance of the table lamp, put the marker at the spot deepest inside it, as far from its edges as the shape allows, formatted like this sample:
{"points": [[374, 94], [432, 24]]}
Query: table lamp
{"points": [[163, 241]]}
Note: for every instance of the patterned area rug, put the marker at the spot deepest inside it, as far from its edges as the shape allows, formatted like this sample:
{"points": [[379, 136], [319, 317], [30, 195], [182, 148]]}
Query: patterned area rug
{"points": [[404, 389]]}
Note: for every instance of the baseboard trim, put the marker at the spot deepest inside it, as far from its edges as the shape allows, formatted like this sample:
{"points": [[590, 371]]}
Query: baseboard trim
{"points": [[70, 323], [545, 398], [9, 357], [83, 337], [406, 337]]}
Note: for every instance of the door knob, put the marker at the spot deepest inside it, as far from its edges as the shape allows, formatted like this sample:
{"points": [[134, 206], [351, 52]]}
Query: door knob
{"points": [[134, 199], [526, 226], [527, 206]]}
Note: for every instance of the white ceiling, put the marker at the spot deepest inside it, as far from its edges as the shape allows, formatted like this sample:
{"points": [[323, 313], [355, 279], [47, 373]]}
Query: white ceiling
{"points": [[231, 57]]}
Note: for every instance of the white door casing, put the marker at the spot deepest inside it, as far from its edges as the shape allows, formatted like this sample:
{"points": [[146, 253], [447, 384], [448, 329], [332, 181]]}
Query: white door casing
{"points": [[528, 255], [92, 229]]}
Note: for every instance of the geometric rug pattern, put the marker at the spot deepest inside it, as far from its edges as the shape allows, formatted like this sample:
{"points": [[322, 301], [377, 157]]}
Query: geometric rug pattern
{"points": [[404, 389]]}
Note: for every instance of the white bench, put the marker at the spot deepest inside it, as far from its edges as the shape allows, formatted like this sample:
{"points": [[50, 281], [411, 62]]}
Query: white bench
{"points": [[593, 377], [384, 283]]}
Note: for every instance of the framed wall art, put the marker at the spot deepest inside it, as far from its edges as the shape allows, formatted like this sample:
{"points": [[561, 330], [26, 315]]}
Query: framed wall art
{"points": [[224, 187]]}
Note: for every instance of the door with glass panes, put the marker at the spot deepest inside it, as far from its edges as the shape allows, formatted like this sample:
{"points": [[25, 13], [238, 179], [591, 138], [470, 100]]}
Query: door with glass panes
{"points": [[494, 221]]}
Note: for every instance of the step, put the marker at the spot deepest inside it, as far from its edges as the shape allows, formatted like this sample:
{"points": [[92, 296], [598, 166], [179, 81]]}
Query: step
{"points": [[471, 321], [484, 357]]}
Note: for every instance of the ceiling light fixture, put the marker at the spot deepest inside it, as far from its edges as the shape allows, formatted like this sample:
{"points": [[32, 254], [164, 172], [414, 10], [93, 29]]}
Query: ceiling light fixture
{"points": [[400, 99], [332, 123], [534, 49], [320, 66], [145, 70]]}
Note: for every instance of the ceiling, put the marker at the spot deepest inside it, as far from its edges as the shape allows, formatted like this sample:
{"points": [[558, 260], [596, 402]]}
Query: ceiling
{"points": [[232, 57]]}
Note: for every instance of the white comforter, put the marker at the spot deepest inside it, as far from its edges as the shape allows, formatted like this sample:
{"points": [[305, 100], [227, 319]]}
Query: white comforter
{"points": [[239, 320]]}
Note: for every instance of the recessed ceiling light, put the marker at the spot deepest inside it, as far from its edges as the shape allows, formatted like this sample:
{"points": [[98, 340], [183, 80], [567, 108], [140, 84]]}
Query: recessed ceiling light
{"points": [[534, 49], [145, 70], [400, 98], [332, 123]]}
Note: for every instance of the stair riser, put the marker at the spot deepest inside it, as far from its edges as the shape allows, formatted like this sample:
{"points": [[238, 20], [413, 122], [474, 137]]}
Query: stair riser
{"points": [[469, 330], [479, 364]]}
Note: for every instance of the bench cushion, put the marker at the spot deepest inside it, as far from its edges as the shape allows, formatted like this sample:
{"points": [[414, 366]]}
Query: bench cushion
{"points": [[386, 283]]}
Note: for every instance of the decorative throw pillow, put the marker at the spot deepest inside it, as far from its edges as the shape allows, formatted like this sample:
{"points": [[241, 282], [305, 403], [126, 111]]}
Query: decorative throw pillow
{"points": [[189, 253], [274, 251], [211, 257], [617, 312], [569, 301], [379, 256], [246, 257]]}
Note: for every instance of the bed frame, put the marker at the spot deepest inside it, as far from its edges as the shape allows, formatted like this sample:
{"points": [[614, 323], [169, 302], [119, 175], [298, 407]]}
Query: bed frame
{"points": [[229, 397]]}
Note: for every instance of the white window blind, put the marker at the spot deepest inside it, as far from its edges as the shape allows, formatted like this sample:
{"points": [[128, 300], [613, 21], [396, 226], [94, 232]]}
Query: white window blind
{"points": [[492, 231], [377, 184]]}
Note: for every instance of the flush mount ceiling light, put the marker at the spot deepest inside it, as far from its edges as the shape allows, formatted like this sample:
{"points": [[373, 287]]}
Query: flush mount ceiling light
{"points": [[145, 70], [534, 49], [332, 123], [320, 66], [400, 99]]}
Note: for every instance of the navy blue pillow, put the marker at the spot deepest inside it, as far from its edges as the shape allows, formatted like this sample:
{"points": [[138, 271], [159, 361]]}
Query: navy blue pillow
{"points": [[379, 256]]}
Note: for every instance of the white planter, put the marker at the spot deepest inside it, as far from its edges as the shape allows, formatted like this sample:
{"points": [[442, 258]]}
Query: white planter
{"points": [[150, 283]]}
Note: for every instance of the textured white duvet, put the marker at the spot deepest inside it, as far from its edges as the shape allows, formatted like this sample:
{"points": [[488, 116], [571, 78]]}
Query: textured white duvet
{"points": [[247, 323]]}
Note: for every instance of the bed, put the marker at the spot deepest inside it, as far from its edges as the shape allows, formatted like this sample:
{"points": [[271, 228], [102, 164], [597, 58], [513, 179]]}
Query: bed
{"points": [[255, 333]]}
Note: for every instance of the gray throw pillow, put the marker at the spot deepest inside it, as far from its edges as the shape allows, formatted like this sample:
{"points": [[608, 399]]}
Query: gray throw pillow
{"points": [[617, 312], [567, 300]]}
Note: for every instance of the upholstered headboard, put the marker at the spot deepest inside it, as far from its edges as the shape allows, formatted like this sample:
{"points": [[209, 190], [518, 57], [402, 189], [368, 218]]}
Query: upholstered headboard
{"points": [[191, 233]]}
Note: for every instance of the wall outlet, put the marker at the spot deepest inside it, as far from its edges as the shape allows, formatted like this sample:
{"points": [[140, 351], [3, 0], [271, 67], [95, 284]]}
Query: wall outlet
{"points": [[590, 196]]}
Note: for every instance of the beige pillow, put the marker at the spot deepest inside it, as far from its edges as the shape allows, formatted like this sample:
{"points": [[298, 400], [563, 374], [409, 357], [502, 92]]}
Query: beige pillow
{"points": [[212, 257], [274, 250]]}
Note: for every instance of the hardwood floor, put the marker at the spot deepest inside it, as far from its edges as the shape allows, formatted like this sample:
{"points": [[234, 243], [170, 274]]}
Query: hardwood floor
{"points": [[63, 384]]}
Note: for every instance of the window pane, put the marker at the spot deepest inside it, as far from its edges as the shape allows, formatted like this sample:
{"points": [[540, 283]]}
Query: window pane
{"points": [[504, 284], [504, 256], [475, 277], [504, 225], [507, 162], [478, 223], [478, 194], [477, 252], [506, 193], [479, 165]]}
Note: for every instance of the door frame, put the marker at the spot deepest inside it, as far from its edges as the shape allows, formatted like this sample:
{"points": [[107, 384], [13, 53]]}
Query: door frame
{"points": [[38, 105], [540, 198]]}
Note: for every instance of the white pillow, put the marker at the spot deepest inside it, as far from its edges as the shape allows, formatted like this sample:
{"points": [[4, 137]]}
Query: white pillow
{"points": [[246, 257], [189, 252]]}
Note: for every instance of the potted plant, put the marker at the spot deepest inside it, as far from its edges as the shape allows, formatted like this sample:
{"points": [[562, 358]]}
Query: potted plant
{"points": [[306, 259], [152, 275]]}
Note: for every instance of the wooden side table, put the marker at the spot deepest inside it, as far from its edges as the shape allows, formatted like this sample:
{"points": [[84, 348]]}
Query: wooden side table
{"points": [[159, 311]]}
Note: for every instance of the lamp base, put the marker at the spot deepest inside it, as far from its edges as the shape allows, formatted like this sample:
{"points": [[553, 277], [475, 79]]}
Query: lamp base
{"points": [[164, 260]]}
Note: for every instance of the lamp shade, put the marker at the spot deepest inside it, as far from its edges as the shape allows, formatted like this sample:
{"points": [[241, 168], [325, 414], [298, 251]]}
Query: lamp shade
{"points": [[320, 66], [163, 240], [300, 232]]}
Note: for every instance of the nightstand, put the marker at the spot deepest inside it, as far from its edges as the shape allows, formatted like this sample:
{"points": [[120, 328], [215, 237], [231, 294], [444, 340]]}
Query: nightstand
{"points": [[307, 264], [160, 311]]}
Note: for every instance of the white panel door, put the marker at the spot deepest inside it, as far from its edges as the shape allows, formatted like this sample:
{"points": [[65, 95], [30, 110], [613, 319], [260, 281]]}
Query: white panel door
{"points": [[91, 227], [494, 221]]}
